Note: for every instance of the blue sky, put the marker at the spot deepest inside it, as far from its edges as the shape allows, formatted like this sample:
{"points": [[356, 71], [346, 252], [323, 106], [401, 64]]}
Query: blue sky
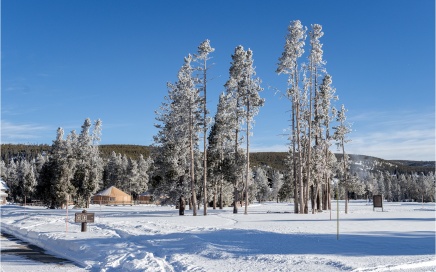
{"points": [[63, 61]]}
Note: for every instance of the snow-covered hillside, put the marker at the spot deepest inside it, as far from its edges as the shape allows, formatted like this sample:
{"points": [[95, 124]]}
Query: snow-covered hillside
{"points": [[269, 238]]}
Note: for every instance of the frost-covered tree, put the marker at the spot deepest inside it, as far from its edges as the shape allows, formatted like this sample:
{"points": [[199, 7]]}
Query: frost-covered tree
{"points": [[11, 176], [252, 103], [27, 180], [190, 103], [288, 65], [202, 56], [261, 183], [171, 153], [89, 165], [340, 135], [277, 182], [235, 88], [111, 171], [324, 116], [180, 119], [220, 149], [143, 175], [132, 178], [56, 186], [315, 65]]}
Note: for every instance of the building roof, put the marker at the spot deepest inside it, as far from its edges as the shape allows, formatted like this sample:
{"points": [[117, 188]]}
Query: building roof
{"points": [[112, 191]]}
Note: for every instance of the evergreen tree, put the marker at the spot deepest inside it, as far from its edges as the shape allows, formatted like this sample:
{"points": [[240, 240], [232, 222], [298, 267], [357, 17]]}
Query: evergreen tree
{"points": [[27, 180], [180, 123], [340, 136], [61, 170], [261, 182], [235, 90], [252, 103], [277, 182], [143, 176], [220, 148], [12, 180], [288, 64], [89, 165], [204, 49]]}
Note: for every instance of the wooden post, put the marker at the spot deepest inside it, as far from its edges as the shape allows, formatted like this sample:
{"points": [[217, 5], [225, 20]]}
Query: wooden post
{"points": [[84, 224]]}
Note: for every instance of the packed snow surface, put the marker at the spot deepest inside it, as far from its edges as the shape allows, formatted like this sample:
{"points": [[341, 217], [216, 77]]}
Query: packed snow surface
{"points": [[270, 238]]}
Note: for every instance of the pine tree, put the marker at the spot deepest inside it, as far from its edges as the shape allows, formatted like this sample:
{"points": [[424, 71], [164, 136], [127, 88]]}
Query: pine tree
{"points": [[288, 64], [277, 182], [235, 89], [143, 176], [171, 152], [204, 49], [252, 103], [315, 68], [180, 118], [89, 166], [220, 148], [62, 169], [340, 136], [27, 180], [261, 183], [190, 103], [111, 170]]}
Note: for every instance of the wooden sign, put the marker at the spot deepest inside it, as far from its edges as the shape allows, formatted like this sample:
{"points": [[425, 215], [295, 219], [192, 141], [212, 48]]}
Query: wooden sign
{"points": [[377, 201], [84, 218]]}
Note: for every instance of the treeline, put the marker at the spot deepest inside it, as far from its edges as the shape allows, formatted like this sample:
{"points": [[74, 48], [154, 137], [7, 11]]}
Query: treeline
{"points": [[31, 151], [274, 160], [34, 178], [130, 151]]}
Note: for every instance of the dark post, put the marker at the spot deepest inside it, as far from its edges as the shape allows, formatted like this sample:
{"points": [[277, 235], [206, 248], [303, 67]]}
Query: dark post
{"points": [[84, 223], [181, 205]]}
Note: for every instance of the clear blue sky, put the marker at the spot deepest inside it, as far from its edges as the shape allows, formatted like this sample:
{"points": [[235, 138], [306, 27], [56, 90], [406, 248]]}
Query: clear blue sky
{"points": [[63, 61]]}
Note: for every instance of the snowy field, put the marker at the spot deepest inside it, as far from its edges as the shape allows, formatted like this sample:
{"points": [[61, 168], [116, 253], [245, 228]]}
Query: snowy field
{"points": [[269, 238]]}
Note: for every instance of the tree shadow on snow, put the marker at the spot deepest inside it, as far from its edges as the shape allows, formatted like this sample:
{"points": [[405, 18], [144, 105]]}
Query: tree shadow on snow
{"points": [[214, 244]]}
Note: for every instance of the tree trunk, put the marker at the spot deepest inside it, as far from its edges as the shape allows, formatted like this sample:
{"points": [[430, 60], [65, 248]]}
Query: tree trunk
{"points": [[214, 195], [312, 198], [191, 147], [247, 169], [221, 178], [318, 198], [294, 162], [345, 178], [235, 189], [300, 172], [204, 142], [221, 196]]}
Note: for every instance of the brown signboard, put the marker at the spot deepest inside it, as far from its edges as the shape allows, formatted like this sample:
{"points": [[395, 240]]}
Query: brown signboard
{"points": [[84, 218], [377, 201]]}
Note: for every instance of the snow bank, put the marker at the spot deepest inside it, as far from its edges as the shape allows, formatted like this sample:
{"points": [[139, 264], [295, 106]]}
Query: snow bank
{"points": [[269, 238]]}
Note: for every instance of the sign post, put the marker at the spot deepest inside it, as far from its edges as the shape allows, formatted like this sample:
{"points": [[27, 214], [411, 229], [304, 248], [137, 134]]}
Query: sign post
{"points": [[84, 218]]}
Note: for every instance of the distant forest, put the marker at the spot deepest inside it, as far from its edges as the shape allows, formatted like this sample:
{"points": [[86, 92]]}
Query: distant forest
{"points": [[271, 159]]}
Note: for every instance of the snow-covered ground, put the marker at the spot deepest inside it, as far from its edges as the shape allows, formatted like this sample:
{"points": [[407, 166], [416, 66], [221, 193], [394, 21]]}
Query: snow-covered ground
{"points": [[269, 238]]}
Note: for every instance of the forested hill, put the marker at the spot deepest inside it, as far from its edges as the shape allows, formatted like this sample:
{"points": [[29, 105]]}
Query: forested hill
{"points": [[274, 160], [31, 151]]}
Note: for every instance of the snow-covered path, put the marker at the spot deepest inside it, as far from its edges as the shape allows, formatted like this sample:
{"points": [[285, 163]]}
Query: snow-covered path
{"points": [[269, 238], [20, 257]]}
